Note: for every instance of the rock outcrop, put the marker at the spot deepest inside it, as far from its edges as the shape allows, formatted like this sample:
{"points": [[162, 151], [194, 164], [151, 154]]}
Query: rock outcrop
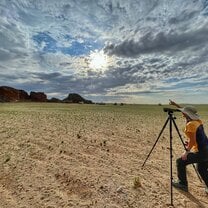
{"points": [[9, 94], [76, 98], [38, 96], [54, 100]]}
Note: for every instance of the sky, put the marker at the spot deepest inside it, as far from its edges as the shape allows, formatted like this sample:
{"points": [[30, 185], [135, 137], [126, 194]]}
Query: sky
{"points": [[135, 51]]}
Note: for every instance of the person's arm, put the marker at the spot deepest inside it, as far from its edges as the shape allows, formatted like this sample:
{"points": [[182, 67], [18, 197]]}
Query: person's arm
{"points": [[171, 102], [192, 140], [190, 144], [191, 136]]}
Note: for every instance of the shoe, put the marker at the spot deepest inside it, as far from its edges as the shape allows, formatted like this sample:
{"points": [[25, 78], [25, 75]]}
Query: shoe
{"points": [[178, 185]]}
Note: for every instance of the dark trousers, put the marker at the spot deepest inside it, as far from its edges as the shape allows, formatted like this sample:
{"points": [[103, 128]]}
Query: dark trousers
{"points": [[202, 167]]}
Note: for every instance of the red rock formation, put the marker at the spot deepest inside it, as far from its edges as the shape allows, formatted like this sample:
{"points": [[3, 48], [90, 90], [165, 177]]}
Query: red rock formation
{"points": [[9, 94], [38, 96]]}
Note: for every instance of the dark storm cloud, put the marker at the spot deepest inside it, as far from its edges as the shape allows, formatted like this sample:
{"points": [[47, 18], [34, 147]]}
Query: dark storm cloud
{"points": [[160, 42]]}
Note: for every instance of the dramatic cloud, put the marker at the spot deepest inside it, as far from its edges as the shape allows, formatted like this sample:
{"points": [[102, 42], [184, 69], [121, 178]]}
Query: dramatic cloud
{"points": [[154, 49], [161, 42]]}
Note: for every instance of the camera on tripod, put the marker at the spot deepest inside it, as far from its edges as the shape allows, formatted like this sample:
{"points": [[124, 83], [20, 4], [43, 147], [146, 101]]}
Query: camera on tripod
{"points": [[170, 110]]}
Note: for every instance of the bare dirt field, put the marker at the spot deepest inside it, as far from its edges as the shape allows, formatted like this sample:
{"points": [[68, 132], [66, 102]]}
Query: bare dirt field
{"points": [[71, 156]]}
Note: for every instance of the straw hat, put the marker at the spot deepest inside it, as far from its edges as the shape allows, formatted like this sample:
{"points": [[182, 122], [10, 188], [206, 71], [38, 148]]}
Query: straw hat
{"points": [[191, 112]]}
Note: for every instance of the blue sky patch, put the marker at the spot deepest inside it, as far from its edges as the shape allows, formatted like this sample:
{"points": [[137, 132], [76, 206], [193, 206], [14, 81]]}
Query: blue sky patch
{"points": [[77, 48]]}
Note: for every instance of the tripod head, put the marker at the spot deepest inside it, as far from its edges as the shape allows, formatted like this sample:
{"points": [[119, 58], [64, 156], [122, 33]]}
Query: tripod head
{"points": [[170, 110]]}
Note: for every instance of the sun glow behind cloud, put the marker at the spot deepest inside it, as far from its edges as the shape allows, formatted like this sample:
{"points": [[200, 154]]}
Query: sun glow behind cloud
{"points": [[98, 60]]}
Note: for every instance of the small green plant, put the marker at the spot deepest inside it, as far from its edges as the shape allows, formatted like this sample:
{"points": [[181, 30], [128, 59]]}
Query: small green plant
{"points": [[137, 182]]}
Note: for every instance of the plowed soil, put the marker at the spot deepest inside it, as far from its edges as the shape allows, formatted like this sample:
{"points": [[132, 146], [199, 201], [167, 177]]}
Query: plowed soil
{"points": [[67, 155]]}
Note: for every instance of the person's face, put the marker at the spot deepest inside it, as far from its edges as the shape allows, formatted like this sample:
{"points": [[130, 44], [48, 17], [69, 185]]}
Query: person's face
{"points": [[186, 117]]}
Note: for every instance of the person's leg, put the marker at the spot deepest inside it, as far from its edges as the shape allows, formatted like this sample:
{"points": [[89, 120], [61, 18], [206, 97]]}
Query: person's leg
{"points": [[181, 171], [181, 166], [202, 169]]}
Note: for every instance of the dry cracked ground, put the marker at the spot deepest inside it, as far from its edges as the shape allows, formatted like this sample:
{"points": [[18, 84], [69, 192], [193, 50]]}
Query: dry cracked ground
{"points": [[71, 156]]}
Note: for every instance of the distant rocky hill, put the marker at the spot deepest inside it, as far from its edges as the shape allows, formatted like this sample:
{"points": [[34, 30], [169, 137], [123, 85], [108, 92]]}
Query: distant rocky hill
{"points": [[54, 100], [76, 98], [9, 94], [38, 97]]}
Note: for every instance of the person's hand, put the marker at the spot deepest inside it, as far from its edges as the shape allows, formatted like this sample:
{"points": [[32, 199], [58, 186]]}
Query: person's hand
{"points": [[184, 156], [186, 144], [171, 102]]}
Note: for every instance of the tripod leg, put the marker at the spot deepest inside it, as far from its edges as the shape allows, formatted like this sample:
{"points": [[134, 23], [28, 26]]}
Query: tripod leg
{"points": [[185, 148], [179, 134], [156, 141], [171, 162]]}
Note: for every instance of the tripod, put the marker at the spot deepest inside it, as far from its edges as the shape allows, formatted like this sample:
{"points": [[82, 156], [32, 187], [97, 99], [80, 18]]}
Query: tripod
{"points": [[171, 121]]}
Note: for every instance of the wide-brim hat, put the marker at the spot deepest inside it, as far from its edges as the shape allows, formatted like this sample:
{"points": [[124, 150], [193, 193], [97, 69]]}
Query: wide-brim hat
{"points": [[191, 112]]}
